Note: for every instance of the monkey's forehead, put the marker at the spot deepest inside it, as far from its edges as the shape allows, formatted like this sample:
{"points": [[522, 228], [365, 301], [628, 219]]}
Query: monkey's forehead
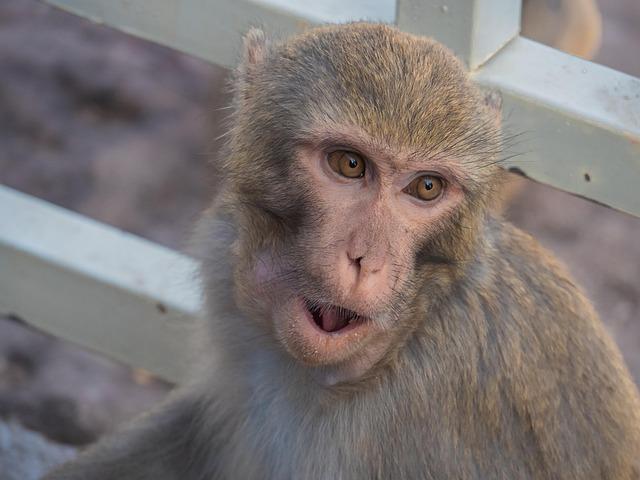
{"points": [[394, 85], [360, 55]]}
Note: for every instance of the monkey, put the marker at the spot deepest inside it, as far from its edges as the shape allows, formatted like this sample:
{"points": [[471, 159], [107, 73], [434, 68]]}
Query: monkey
{"points": [[369, 315]]}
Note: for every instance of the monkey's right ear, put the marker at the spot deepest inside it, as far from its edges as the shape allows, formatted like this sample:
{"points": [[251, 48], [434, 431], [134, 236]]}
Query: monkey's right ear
{"points": [[254, 49], [493, 100]]}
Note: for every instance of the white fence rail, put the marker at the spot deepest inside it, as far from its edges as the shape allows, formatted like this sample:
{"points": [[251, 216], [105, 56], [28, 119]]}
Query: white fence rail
{"points": [[115, 293], [95, 285]]}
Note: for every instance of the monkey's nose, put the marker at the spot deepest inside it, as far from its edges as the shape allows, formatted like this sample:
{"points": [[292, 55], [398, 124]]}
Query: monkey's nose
{"points": [[365, 265], [356, 261]]}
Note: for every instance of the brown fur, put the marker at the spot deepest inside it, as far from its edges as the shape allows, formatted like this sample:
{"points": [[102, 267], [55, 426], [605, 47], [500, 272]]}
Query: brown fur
{"points": [[485, 361]]}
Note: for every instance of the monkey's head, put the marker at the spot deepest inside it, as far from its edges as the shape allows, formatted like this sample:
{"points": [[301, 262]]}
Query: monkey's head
{"points": [[362, 162]]}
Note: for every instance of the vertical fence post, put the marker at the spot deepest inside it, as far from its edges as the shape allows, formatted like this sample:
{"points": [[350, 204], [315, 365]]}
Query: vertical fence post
{"points": [[473, 29]]}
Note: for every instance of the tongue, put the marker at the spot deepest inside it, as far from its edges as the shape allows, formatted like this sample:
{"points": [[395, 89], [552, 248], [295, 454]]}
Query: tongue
{"points": [[331, 321]]}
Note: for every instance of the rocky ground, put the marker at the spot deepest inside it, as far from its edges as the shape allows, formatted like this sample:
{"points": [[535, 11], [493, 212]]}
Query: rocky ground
{"points": [[120, 130]]}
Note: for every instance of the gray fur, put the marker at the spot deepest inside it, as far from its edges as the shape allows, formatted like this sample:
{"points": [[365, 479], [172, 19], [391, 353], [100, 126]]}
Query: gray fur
{"points": [[503, 372]]}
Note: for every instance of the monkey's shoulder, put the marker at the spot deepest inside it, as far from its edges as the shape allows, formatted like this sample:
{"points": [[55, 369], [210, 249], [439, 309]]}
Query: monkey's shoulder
{"points": [[528, 274], [528, 328], [161, 444], [529, 309]]}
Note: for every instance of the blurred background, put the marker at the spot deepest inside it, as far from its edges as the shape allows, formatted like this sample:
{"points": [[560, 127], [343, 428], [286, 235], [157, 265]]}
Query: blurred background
{"points": [[123, 131]]}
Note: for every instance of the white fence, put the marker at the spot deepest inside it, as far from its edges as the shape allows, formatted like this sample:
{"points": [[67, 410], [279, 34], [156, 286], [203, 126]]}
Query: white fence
{"points": [[130, 299]]}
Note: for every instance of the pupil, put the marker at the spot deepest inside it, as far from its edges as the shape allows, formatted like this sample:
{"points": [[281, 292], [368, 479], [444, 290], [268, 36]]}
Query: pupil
{"points": [[353, 163], [428, 184]]}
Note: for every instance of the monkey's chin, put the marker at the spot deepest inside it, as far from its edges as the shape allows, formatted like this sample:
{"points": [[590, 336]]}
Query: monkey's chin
{"points": [[329, 341]]}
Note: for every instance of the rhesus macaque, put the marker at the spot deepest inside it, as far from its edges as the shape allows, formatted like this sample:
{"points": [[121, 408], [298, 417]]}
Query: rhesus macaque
{"points": [[369, 316]]}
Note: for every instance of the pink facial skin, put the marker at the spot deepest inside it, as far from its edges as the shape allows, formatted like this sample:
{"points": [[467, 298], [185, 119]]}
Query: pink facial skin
{"points": [[363, 253]]}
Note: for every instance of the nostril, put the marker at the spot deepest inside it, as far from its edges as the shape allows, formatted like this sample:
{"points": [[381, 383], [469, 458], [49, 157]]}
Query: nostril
{"points": [[356, 261]]}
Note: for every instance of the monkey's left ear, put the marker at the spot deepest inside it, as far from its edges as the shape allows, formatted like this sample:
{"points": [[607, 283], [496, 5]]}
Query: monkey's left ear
{"points": [[254, 49], [493, 100]]}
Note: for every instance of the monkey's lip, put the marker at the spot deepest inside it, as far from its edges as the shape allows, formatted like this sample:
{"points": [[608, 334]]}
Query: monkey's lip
{"points": [[332, 319], [323, 334]]}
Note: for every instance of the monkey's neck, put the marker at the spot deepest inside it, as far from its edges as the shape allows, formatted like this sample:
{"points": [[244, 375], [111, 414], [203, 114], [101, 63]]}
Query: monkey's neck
{"points": [[262, 396]]}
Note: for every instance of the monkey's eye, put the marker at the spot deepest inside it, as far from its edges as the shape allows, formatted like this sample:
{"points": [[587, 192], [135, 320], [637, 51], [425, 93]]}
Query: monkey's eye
{"points": [[347, 164], [426, 187]]}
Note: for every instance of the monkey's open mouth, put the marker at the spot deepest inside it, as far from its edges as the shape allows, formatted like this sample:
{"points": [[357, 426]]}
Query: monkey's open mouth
{"points": [[319, 333], [332, 318]]}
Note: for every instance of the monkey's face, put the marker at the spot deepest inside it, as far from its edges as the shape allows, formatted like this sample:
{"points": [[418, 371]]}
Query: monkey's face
{"points": [[371, 208], [339, 289], [367, 168]]}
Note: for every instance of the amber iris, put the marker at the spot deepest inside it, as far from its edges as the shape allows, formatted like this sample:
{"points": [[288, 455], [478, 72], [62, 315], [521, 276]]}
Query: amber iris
{"points": [[347, 164], [426, 187]]}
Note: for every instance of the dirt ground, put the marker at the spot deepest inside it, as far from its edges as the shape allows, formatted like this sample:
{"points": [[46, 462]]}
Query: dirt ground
{"points": [[121, 130]]}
